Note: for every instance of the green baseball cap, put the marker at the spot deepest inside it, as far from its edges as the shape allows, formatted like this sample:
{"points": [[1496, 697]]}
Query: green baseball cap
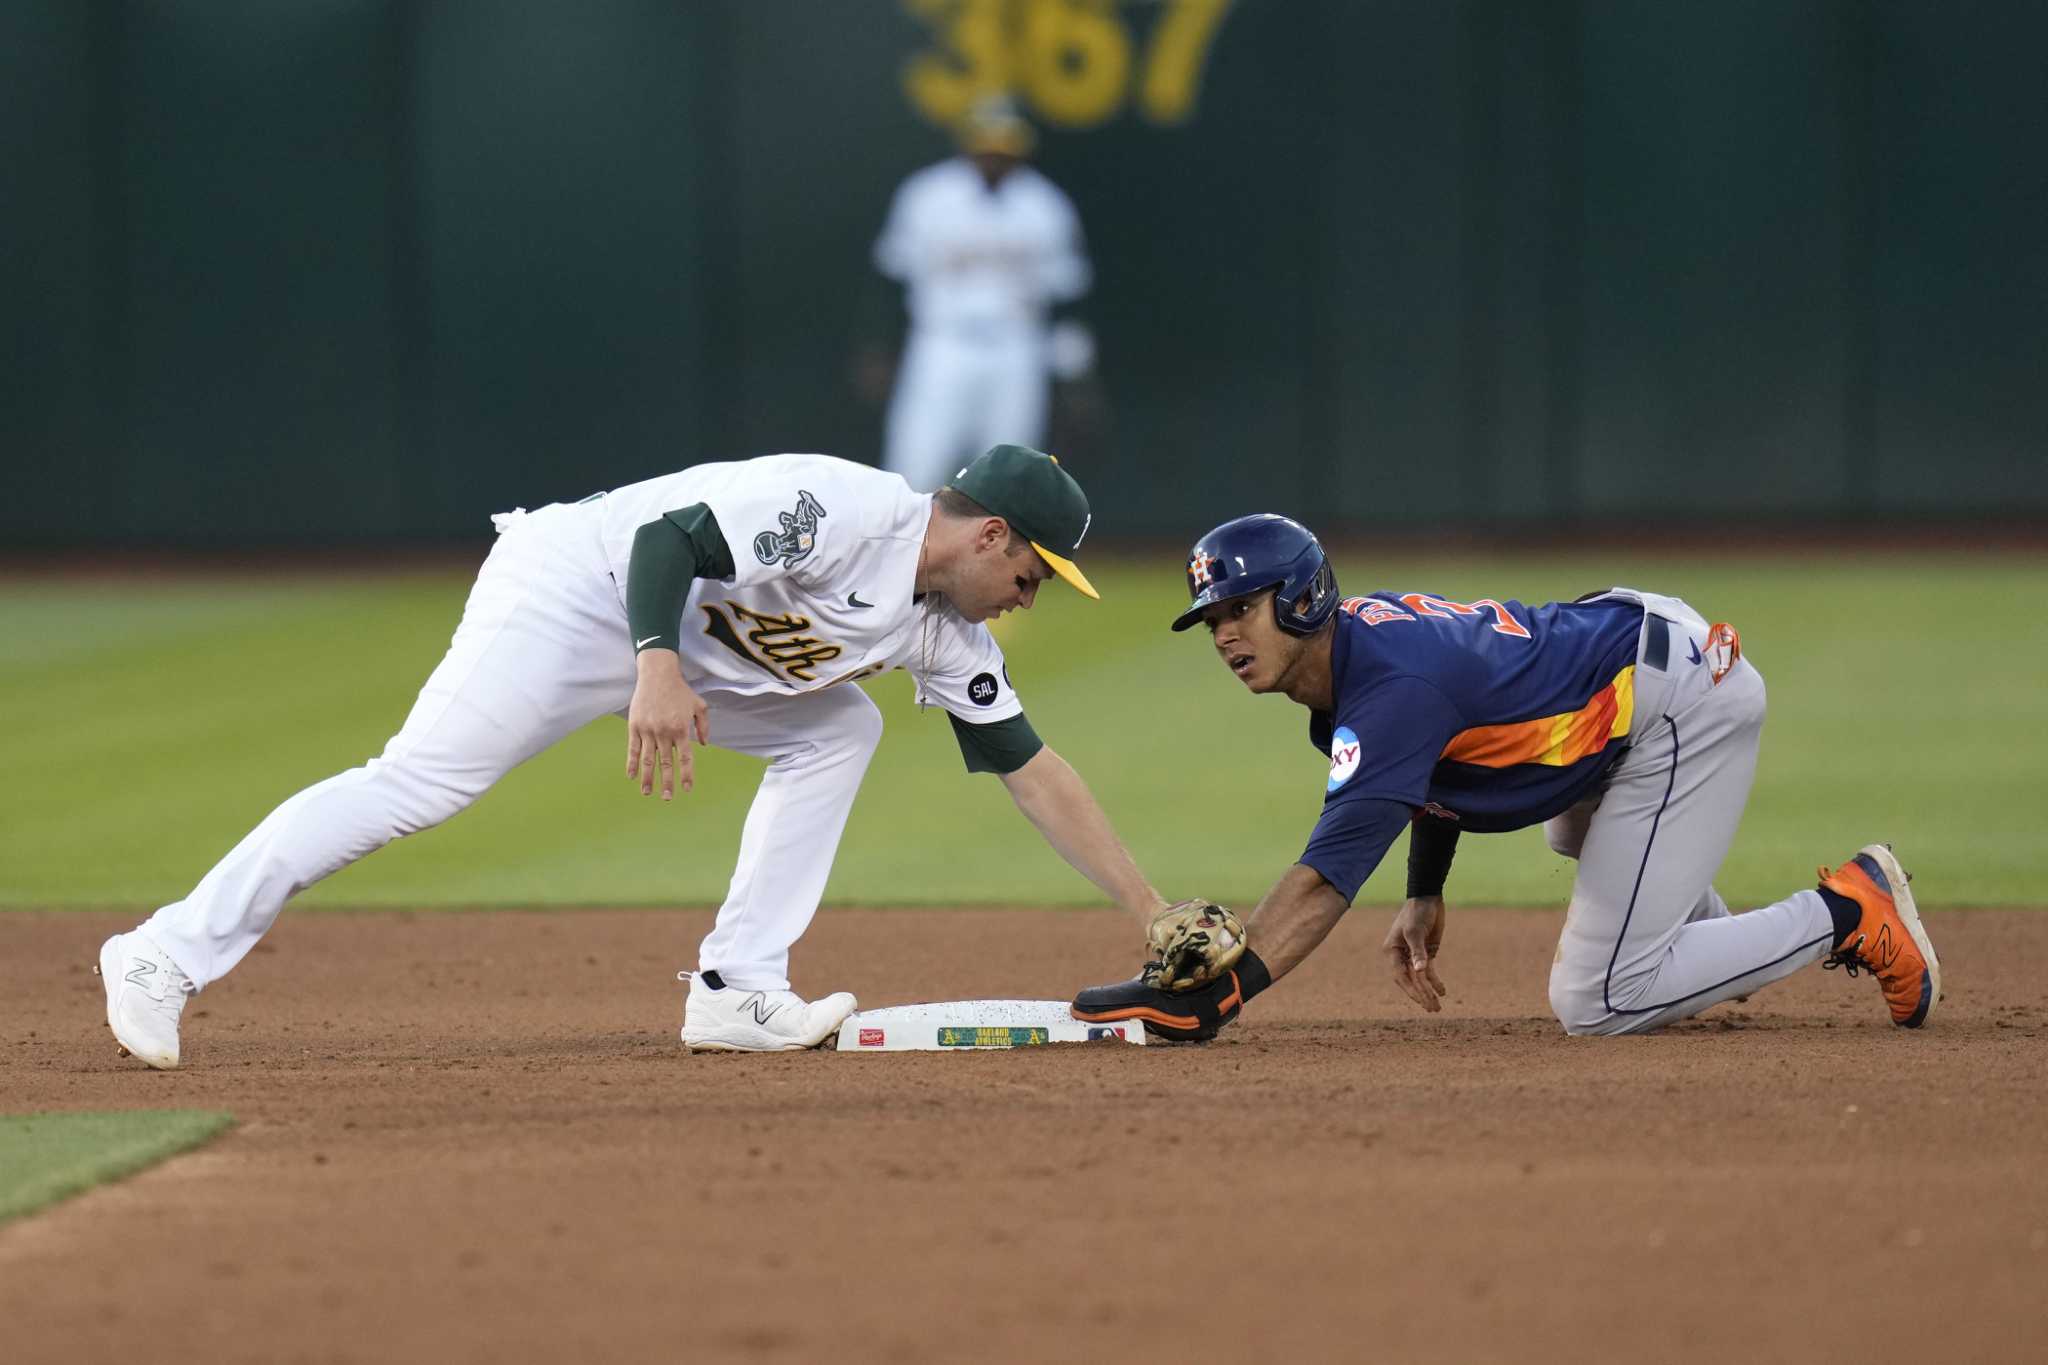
{"points": [[1040, 500]]}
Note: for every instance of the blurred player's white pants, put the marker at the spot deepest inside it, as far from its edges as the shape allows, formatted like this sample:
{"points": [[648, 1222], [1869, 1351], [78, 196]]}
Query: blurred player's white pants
{"points": [[1648, 940], [957, 396], [542, 650]]}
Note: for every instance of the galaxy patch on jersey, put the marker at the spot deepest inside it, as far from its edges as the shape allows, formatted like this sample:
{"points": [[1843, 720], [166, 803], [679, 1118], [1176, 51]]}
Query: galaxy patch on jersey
{"points": [[981, 689], [1344, 753], [798, 537]]}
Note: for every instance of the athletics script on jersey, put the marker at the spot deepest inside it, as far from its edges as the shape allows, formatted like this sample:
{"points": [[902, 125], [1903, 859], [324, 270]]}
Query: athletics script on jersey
{"points": [[778, 645]]}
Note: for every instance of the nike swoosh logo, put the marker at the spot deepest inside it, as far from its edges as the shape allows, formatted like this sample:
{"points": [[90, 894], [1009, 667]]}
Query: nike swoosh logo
{"points": [[1696, 656], [853, 600], [642, 644]]}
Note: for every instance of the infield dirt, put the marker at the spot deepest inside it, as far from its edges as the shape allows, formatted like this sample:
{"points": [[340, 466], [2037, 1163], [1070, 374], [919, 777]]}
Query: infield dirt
{"points": [[474, 1137]]}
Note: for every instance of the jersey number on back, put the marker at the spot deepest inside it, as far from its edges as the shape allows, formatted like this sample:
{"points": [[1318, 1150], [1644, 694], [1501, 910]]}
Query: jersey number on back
{"points": [[1375, 612]]}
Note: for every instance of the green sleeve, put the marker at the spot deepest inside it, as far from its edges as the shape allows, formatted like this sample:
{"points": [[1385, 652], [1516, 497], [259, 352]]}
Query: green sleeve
{"points": [[1000, 747], [669, 553]]}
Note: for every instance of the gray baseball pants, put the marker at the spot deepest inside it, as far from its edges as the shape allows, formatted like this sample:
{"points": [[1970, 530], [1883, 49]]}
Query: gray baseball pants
{"points": [[1647, 939]]}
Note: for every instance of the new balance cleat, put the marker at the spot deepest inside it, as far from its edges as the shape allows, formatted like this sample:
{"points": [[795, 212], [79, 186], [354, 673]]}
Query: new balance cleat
{"points": [[146, 992], [734, 1020], [1889, 941]]}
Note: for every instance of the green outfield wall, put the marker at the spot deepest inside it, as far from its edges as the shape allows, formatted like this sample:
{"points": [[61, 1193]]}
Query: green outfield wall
{"points": [[343, 270]]}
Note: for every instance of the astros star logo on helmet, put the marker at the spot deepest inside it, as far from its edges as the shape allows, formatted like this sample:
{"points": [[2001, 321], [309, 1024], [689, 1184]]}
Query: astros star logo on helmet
{"points": [[1199, 567]]}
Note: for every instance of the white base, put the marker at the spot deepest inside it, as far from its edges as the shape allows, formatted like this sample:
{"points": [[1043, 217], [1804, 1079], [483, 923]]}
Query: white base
{"points": [[974, 1025]]}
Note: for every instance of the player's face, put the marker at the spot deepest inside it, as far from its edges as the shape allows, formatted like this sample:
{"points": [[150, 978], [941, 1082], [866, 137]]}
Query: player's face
{"points": [[994, 166], [1004, 576], [1251, 643]]}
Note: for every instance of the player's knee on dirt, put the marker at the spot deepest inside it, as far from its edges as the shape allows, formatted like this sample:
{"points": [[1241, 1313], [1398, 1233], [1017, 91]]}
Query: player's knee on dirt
{"points": [[1582, 1011]]}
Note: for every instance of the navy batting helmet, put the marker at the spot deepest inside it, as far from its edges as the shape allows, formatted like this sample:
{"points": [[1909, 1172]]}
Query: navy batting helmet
{"points": [[1252, 554]]}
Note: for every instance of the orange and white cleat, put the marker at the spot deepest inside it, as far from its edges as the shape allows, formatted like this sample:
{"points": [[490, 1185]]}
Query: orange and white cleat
{"points": [[1889, 941]]}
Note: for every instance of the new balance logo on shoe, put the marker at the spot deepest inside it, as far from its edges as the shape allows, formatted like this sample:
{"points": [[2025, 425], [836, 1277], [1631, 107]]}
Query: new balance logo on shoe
{"points": [[758, 1006], [140, 972], [1884, 952]]}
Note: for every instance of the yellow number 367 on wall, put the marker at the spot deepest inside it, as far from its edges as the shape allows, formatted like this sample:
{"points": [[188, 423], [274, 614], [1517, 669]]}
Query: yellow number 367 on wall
{"points": [[1070, 60]]}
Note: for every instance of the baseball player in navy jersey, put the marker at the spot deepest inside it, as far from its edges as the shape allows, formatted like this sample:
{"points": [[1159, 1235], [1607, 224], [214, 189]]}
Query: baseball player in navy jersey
{"points": [[728, 604], [985, 248], [1623, 722]]}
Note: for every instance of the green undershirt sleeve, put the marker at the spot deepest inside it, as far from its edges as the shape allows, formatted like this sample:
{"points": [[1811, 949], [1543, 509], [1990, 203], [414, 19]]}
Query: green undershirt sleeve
{"points": [[669, 553], [1000, 747]]}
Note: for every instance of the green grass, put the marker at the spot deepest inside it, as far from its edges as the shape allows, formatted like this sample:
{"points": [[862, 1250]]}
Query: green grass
{"points": [[48, 1157], [150, 724]]}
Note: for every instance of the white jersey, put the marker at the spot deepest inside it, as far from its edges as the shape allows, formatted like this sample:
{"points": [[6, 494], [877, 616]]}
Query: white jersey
{"points": [[825, 554], [978, 260]]}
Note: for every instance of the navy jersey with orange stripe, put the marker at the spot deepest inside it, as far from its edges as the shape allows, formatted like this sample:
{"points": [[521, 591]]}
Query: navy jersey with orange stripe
{"points": [[1499, 714]]}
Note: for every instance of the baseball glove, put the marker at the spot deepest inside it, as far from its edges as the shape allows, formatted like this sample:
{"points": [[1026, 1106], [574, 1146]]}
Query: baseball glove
{"points": [[1191, 944], [1193, 1016]]}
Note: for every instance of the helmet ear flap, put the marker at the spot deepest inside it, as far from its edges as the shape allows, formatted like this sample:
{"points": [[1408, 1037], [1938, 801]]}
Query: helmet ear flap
{"points": [[1302, 610]]}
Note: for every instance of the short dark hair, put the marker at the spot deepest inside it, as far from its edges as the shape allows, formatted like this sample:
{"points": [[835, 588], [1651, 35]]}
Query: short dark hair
{"points": [[959, 507]]}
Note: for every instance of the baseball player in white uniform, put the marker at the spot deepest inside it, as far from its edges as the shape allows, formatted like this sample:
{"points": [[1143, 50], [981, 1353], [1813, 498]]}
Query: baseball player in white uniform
{"points": [[729, 604], [985, 248]]}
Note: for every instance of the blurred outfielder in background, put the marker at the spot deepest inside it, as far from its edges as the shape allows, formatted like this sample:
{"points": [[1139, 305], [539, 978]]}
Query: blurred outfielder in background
{"points": [[984, 249], [369, 271]]}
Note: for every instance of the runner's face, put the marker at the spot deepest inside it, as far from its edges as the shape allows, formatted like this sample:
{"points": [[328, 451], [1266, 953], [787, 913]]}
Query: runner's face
{"points": [[1250, 642]]}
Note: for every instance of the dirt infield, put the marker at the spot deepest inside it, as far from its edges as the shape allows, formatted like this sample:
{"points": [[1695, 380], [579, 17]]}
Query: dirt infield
{"points": [[474, 1137]]}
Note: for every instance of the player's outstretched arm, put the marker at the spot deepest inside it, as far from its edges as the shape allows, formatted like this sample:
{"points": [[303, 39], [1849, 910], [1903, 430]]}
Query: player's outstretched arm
{"points": [[1059, 805], [1293, 918]]}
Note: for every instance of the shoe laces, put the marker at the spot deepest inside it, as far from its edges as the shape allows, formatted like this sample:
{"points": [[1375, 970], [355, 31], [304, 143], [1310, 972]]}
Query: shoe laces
{"points": [[1849, 957]]}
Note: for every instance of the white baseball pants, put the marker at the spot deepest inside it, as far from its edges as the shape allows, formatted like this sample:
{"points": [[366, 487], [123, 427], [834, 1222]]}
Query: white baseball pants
{"points": [[1647, 939], [542, 650], [955, 397]]}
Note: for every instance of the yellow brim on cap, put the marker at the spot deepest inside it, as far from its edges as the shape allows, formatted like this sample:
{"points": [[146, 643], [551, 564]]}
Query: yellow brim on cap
{"points": [[1065, 569]]}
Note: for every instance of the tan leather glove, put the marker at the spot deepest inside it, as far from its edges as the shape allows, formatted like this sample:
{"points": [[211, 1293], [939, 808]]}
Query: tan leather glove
{"points": [[1191, 944]]}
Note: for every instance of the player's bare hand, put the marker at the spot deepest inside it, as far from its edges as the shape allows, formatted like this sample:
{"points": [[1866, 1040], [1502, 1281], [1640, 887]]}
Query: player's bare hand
{"points": [[666, 715], [1411, 948]]}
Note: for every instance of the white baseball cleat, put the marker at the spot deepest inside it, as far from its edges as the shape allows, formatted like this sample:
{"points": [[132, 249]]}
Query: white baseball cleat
{"points": [[146, 992], [737, 1020]]}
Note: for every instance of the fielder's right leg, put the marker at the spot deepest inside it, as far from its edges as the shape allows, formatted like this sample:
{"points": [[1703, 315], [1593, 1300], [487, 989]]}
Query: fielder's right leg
{"points": [[818, 745]]}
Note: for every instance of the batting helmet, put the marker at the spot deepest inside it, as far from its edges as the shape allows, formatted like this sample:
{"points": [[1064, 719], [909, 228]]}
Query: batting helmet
{"points": [[1252, 554]]}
